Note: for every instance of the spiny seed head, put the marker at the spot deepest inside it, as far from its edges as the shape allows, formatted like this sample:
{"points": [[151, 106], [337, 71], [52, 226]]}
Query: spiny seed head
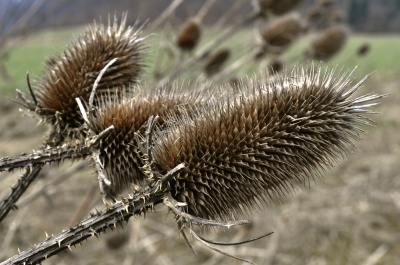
{"points": [[278, 7], [215, 63], [189, 35], [335, 16], [314, 13], [326, 3], [284, 30], [72, 74], [242, 152], [129, 113], [276, 65], [363, 49], [329, 42]]}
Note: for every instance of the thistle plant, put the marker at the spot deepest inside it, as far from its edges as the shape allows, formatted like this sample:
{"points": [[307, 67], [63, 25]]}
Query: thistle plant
{"points": [[212, 153]]}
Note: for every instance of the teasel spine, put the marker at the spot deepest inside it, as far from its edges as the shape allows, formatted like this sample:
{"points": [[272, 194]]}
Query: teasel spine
{"points": [[243, 152]]}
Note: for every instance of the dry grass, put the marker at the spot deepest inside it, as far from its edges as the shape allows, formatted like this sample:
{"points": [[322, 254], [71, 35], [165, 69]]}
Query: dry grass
{"points": [[349, 217]]}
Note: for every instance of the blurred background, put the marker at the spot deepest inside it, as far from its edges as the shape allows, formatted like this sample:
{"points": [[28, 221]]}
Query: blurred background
{"points": [[351, 216]]}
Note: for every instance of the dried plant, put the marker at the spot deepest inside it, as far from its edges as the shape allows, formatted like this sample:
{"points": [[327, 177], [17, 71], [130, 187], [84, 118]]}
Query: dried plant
{"points": [[216, 61], [278, 7], [211, 153], [329, 42], [283, 31], [72, 74], [189, 35], [263, 143]]}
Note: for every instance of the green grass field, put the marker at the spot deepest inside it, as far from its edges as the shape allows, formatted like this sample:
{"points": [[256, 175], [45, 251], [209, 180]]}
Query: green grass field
{"points": [[29, 55]]}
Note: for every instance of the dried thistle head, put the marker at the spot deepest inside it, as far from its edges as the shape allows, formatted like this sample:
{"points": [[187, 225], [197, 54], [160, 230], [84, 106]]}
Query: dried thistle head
{"points": [[216, 61], [363, 49], [314, 13], [284, 30], [335, 15], [242, 152], [129, 113], [278, 7], [276, 65], [329, 42], [189, 35], [326, 3], [72, 74]]}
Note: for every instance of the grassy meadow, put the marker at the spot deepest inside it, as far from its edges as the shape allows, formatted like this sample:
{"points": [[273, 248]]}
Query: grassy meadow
{"points": [[351, 216]]}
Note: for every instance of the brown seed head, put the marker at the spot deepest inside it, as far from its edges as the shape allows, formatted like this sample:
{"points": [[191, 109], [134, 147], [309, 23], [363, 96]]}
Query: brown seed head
{"points": [[314, 13], [215, 63], [241, 152], [189, 35], [284, 30], [128, 114], [278, 7], [326, 3], [363, 49], [276, 65], [329, 42], [72, 74]]}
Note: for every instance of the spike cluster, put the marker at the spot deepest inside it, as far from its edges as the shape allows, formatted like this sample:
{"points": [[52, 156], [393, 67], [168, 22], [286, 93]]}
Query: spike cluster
{"points": [[72, 73], [241, 152], [189, 35], [128, 114]]}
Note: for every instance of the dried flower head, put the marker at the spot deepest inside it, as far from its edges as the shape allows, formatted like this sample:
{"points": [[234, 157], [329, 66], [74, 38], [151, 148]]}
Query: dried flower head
{"points": [[329, 42], [241, 152], [278, 7], [189, 35], [129, 113], [314, 13], [284, 30], [276, 65], [216, 61], [72, 73], [363, 49], [326, 3]]}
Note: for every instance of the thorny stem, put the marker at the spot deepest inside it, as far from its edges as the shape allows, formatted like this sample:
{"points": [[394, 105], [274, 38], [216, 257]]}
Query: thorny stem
{"points": [[92, 226], [17, 190], [206, 50], [136, 203], [56, 154]]}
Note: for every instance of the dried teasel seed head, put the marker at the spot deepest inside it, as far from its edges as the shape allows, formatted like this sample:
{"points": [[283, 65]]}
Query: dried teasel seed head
{"points": [[216, 61], [336, 16], [244, 151], [329, 42], [117, 241], [189, 35], [129, 114], [326, 3], [314, 13], [284, 30], [276, 65], [278, 7], [363, 49], [72, 74]]}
